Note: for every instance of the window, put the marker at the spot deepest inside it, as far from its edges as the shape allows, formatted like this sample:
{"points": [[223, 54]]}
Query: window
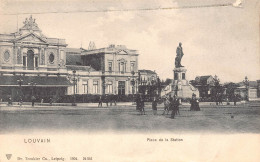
{"points": [[51, 58], [121, 87], [85, 87], [110, 66], [62, 55], [122, 67], [36, 61], [6, 56], [24, 60], [109, 87], [95, 87], [183, 76], [175, 76], [132, 67]]}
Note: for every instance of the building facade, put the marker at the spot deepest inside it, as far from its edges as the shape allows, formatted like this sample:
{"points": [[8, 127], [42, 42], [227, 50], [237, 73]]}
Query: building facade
{"points": [[204, 85], [31, 63], [110, 70]]}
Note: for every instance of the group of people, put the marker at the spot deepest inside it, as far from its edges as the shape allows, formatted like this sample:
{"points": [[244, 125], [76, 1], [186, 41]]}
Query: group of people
{"points": [[106, 99], [171, 104]]}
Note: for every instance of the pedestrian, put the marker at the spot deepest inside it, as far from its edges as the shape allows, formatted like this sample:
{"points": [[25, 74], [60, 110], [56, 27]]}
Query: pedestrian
{"points": [[100, 101], [21, 101], [177, 109], [138, 101], [142, 106], [216, 99], [220, 99], [197, 107], [106, 100], [111, 99], [33, 100], [235, 100], [10, 101], [115, 97], [51, 101], [193, 102], [166, 106], [173, 105], [154, 106]]}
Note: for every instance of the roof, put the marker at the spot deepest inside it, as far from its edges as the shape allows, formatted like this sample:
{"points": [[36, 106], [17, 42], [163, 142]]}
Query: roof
{"points": [[73, 59], [30, 28], [251, 83], [244, 87], [74, 50], [119, 49], [83, 68], [56, 41], [39, 80], [147, 71], [202, 79]]}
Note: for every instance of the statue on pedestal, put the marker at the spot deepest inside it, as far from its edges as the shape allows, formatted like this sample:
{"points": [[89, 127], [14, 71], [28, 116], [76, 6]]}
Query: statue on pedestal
{"points": [[179, 55]]}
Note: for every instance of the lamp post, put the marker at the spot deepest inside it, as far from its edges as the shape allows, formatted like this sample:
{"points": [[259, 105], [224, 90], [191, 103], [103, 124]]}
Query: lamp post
{"points": [[20, 81], [32, 84], [74, 88], [246, 82], [133, 82], [153, 88]]}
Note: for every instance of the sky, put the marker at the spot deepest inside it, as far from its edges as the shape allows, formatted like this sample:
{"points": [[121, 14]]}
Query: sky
{"points": [[222, 41]]}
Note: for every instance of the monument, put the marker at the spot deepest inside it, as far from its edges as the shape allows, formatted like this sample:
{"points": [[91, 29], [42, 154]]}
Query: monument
{"points": [[180, 86]]}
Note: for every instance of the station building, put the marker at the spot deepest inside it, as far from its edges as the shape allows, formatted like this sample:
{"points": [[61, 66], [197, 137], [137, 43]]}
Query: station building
{"points": [[32, 64]]}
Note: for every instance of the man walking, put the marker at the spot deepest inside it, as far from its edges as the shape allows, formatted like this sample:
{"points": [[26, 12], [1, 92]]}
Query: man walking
{"points": [[166, 106], [33, 100], [100, 101], [154, 106]]}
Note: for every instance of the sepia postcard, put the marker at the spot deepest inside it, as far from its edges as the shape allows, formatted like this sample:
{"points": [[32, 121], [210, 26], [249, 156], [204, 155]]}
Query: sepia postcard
{"points": [[129, 80]]}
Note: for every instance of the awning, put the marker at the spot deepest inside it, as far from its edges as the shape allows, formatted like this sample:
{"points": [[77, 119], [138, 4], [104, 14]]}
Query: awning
{"points": [[41, 81]]}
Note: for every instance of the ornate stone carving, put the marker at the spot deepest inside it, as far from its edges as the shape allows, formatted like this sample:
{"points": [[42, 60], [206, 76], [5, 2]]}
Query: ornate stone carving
{"points": [[30, 24]]}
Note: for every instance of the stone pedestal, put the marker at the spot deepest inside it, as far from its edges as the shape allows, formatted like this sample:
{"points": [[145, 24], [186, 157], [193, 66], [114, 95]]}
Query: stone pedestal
{"points": [[180, 85]]}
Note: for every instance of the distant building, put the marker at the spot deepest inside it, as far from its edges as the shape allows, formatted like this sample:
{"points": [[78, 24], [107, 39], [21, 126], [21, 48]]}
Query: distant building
{"points": [[149, 83], [258, 88], [252, 90], [204, 84], [110, 70], [147, 77]]}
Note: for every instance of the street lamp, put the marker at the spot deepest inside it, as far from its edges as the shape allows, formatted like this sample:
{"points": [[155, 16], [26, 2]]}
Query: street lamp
{"points": [[133, 82], [74, 88], [246, 82], [32, 84], [20, 81]]}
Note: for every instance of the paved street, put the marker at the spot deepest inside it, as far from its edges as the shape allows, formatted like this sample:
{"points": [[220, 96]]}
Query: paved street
{"points": [[125, 118]]}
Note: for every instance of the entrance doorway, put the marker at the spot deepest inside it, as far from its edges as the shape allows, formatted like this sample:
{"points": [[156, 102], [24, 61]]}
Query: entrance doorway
{"points": [[30, 60], [121, 87]]}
